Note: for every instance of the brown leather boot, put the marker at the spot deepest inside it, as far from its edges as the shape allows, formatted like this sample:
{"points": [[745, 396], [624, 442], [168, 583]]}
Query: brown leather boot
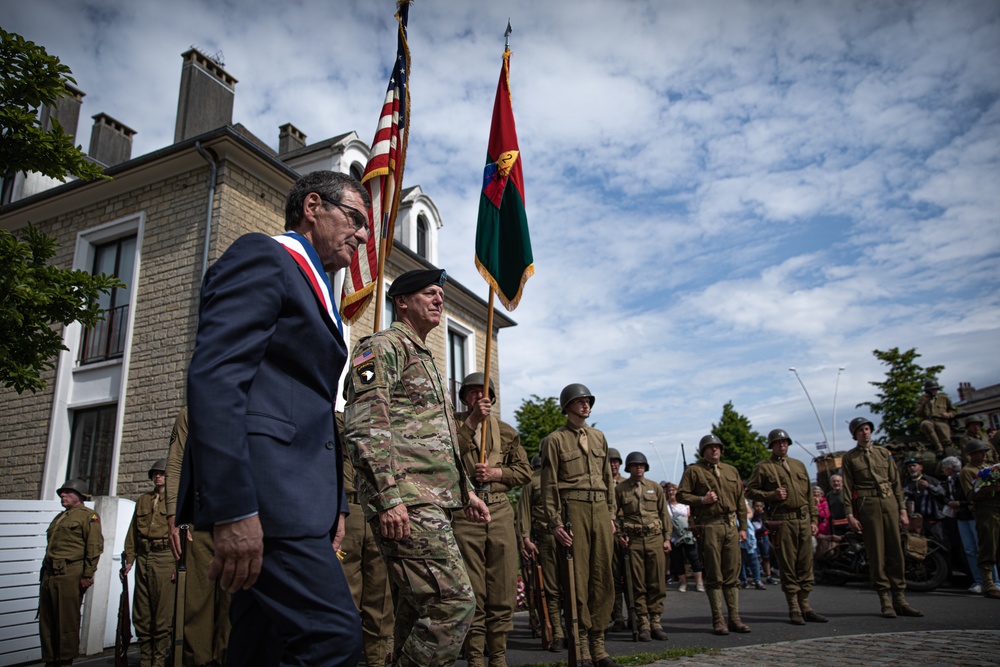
{"points": [[794, 611], [733, 604], [715, 602], [901, 606], [807, 611], [885, 600], [990, 589]]}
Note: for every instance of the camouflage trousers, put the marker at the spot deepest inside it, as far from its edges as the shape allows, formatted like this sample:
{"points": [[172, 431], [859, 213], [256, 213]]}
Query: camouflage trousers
{"points": [[434, 598]]}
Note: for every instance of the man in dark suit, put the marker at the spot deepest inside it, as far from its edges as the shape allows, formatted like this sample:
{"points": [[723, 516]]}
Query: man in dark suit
{"points": [[263, 468]]}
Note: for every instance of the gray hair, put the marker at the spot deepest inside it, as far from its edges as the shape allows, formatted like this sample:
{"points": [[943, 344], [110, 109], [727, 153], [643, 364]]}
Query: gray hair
{"points": [[951, 463], [325, 183]]}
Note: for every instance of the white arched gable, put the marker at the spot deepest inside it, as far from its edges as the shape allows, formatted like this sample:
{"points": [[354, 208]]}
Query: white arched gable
{"points": [[414, 206]]}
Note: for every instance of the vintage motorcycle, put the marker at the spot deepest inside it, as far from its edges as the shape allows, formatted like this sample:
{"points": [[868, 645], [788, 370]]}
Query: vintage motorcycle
{"points": [[841, 559]]}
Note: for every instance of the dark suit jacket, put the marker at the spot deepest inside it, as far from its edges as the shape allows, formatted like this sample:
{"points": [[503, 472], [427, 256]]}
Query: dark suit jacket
{"points": [[261, 393]]}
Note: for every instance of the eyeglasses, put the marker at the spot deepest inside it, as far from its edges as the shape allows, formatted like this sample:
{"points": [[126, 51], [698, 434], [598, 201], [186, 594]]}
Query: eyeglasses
{"points": [[358, 218]]}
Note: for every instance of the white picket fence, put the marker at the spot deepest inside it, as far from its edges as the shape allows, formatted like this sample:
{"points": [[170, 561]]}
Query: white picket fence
{"points": [[22, 547]]}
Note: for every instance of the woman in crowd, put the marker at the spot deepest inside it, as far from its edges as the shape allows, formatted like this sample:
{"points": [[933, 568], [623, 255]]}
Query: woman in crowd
{"points": [[684, 547]]}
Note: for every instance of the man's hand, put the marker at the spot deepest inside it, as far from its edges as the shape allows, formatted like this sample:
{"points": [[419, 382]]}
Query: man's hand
{"points": [[743, 536], [484, 473], [528, 549], [563, 536], [854, 524], [904, 520], [395, 523], [478, 412], [477, 511], [667, 547], [623, 541], [239, 551], [123, 573], [923, 484], [815, 529], [781, 493], [338, 536], [709, 498], [86, 582], [175, 537]]}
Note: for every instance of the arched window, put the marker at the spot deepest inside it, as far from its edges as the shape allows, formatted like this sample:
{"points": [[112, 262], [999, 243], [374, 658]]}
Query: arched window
{"points": [[422, 236], [357, 170]]}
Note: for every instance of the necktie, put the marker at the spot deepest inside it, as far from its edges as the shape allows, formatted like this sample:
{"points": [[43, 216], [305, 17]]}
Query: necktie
{"points": [[583, 441], [715, 469]]}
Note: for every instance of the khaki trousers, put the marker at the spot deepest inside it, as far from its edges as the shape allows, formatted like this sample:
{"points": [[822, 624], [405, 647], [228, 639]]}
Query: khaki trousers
{"points": [[368, 579], [153, 605], [206, 606], [793, 548], [879, 519], [59, 599], [649, 572]]}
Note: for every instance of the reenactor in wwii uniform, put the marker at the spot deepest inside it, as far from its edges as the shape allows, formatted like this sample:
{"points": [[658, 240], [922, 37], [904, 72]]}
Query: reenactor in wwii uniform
{"points": [[575, 469], [645, 531], [873, 500], [366, 574], [538, 542], [490, 550], [74, 546], [206, 604], [985, 501], [974, 431], [147, 544], [935, 411], [400, 430], [617, 616], [714, 491], [783, 483]]}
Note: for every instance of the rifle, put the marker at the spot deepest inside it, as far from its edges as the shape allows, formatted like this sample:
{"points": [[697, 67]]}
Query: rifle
{"points": [[123, 635], [684, 458], [569, 600], [543, 604], [633, 615], [177, 648], [530, 599]]}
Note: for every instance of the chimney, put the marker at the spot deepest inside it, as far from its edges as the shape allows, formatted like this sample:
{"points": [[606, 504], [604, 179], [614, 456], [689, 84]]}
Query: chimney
{"points": [[965, 390], [290, 138], [66, 111], [110, 141], [206, 97]]}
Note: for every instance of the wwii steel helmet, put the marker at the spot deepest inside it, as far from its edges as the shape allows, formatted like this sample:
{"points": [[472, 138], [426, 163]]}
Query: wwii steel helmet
{"points": [[710, 439], [857, 423], [973, 446], [476, 380], [573, 391], [536, 461], [636, 457], [931, 384], [777, 434], [78, 486], [159, 466], [614, 455], [974, 419]]}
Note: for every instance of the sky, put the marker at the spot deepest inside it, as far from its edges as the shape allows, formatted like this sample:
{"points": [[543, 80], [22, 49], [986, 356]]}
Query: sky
{"points": [[717, 191]]}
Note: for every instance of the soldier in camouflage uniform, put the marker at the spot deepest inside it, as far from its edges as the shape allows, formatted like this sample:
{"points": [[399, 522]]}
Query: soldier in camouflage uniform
{"points": [[490, 551], [366, 574], [575, 469], [147, 543], [400, 431], [645, 531], [936, 411], [75, 543], [537, 542]]}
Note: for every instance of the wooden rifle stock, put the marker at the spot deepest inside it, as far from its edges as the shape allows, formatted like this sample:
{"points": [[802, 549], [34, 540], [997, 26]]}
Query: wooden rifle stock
{"points": [[123, 635], [543, 604]]}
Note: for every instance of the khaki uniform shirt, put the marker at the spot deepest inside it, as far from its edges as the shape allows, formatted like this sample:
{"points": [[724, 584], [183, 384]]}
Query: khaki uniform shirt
{"points": [[874, 475], [149, 522], [175, 459], [699, 479], [530, 508], [935, 408], [399, 426], [74, 535], [643, 505], [986, 497], [770, 475], [503, 451], [568, 464]]}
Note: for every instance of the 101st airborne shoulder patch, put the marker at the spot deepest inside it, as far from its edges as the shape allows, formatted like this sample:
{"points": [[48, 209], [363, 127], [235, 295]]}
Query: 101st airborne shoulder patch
{"points": [[367, 372]]}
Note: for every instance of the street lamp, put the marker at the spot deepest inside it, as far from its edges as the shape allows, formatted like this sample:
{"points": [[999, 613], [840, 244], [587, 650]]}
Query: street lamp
{"points": [[815, 412], [836, 384]]}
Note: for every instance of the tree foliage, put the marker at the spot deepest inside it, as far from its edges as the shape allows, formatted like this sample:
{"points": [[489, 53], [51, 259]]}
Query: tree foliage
{"points": [[744, 447], [536, 418], [31, 80], [33, 297], [898, 394]]}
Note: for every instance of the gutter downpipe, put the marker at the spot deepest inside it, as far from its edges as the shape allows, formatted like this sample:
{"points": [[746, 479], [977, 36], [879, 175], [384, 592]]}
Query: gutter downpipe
{"points": [[211, 199]]}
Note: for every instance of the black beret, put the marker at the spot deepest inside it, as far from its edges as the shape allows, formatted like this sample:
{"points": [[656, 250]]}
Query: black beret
{"points": [[414, 281]]}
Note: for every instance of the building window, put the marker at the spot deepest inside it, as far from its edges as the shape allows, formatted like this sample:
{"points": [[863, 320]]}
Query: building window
{"points": [[107, 339], [357, 171], [422, 236], [92, 447], [457, 362]]}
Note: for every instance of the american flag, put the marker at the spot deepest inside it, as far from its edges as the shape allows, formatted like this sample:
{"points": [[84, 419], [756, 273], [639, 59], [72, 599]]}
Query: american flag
{"points": [[383, 178]]}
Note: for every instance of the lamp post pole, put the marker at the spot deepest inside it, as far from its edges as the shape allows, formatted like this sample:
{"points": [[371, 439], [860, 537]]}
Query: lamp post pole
{"points": [[836, 385], [815, 412]]}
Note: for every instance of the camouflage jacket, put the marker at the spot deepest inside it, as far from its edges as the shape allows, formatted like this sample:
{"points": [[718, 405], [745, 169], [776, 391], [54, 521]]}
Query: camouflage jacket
{"points": [[400, 427], [504, 452]]}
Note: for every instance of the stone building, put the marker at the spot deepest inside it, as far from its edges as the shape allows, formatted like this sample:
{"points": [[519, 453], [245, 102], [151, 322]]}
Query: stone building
{"points": [[109, 404]]}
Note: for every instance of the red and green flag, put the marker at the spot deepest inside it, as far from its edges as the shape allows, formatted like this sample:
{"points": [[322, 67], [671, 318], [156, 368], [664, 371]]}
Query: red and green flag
{"points": [[503, 248]]}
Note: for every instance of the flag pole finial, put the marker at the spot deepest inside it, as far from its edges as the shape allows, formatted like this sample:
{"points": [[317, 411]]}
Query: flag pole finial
{"points": [[506, 37]]}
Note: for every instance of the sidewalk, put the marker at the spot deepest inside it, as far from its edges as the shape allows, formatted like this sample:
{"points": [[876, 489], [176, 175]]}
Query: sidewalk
{"points": [[945, 648]]}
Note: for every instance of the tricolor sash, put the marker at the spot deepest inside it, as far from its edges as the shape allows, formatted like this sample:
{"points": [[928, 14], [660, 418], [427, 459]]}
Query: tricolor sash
{"points": [[308, 259]]}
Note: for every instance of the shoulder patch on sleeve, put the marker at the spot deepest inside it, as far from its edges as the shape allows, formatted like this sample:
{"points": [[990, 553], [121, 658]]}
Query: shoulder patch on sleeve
{"points": [[367, 369]]}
